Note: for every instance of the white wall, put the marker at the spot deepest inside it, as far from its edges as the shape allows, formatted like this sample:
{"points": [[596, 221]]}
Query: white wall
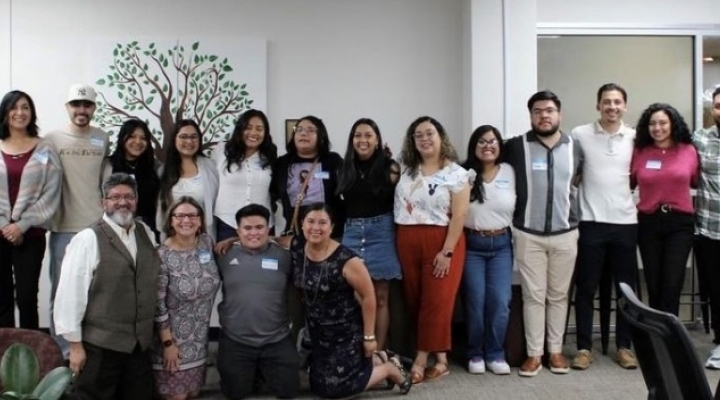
{"points": [[633, 12], [4, 46], [340, 60]]}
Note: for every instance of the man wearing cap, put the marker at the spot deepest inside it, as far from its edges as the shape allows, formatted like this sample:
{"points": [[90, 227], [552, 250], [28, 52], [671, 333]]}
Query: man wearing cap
{"points": [[82, 149]]}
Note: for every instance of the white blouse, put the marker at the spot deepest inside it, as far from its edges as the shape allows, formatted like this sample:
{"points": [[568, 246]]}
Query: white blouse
{"points": [[497, 210], [192, 187], [241, 186], [425, 200]]}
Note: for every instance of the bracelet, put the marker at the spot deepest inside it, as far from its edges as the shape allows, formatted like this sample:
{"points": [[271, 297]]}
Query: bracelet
{"points": [[369, 338], [168, 343]]}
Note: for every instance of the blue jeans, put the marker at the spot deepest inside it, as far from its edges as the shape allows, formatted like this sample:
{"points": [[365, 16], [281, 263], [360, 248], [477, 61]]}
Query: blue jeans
{"points": [[487, 280]]}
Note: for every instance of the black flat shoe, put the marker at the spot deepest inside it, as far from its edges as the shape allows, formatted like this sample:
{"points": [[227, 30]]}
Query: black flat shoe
{"points": [[406, 385]]}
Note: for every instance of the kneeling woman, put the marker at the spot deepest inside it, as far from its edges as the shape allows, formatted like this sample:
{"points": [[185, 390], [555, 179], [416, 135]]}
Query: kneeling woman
{"points": [[338, 294]]}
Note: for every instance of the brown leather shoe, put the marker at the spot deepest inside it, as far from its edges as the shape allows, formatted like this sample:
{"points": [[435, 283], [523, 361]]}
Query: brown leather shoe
{"points": [[582, 360], [530, 367], [558, 364], [626, 359]]}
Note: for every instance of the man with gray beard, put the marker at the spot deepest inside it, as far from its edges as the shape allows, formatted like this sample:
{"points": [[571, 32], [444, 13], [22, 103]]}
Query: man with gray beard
{"points": [[544, 228], [106, 299]]}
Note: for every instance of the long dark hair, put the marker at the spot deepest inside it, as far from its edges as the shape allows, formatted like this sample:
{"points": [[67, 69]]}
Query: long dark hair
{"points": [[173, 163], [146, 161], [323, 139], [477, 191], [7, 103], [379, 172], [680, 133], [235, 147]]}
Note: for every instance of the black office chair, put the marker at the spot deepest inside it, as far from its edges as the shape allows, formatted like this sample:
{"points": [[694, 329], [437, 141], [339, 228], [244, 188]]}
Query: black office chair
{"points": [[667, 358]]}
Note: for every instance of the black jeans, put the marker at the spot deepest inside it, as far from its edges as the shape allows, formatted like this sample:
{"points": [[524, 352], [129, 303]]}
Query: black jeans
{"points": [[278, 363], [665, 240], [707, 256], [19, 274], [603, 246], [113, 375]]}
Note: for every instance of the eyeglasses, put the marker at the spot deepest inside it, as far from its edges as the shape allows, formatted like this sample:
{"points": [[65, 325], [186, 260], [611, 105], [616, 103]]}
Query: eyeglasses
{"points": [[536, 112], [422, 136], [81, 103], [308, 131], [117, 197], [182, 216], [483, 142], [189, 138]]}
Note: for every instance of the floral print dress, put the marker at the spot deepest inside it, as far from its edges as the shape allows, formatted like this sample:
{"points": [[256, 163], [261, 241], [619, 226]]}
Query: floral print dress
{"points": [[189, 281]]}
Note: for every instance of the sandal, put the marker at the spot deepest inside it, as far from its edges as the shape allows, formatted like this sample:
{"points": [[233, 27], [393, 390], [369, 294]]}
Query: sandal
{"points": [[417, 374], [434, 372], [407, 381]]}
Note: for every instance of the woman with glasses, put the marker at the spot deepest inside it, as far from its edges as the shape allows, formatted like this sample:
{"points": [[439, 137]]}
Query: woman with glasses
{"points": [[431, 204], [664, 168], [367, 183], [244, 166], [307, 174], [188, 282], [30, 178], [187, 172], [134, 155], [487, 275]]}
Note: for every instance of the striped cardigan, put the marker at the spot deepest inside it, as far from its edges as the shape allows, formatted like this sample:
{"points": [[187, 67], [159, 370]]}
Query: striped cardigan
{"points": [[39, 196]]}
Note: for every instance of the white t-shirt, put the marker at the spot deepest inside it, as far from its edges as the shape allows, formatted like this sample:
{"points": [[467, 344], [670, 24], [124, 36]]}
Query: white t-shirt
{"points": [[497, 210], [604, 193], [242, 186], [425, 200]]}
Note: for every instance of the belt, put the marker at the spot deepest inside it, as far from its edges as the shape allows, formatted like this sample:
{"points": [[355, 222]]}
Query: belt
{"points": [[486, 233]]}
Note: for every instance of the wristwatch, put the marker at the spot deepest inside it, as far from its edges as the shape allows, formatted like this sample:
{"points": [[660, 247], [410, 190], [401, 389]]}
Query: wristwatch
{"points": [[168, 343], [447, 253]]}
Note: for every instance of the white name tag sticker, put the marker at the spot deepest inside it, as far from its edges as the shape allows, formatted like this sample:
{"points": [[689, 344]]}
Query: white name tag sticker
{"points": [[97, 142], [41, 156], [539, 166], [204, 256], [270, 263], [502, 184], [322, 175], [653, 164]]}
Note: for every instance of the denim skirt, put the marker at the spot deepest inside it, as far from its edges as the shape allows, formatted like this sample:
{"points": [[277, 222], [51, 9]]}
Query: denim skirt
{"points": [[373, 239]]}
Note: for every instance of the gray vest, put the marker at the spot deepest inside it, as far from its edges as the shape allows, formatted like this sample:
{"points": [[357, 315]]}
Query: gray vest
{"points": [[123, 294]]}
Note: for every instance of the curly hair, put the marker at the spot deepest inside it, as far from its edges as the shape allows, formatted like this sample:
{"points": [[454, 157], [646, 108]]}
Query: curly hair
{"points": [[680, 133], [477, 191], [410, 156]]}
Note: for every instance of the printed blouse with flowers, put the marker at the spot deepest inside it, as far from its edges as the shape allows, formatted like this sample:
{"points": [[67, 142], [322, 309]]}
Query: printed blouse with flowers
{"points": [[425, 199]]}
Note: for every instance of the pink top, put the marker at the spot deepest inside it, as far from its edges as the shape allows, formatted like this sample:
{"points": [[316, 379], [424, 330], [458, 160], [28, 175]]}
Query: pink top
{"points": [[665, 176]]}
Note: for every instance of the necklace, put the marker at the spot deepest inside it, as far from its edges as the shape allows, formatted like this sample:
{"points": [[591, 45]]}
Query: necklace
{"points": [[323, 271]]}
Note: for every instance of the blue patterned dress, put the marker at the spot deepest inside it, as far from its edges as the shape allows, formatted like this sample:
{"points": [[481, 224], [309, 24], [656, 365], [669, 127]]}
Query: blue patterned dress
{"points": [[189, 281], [338, 366]]}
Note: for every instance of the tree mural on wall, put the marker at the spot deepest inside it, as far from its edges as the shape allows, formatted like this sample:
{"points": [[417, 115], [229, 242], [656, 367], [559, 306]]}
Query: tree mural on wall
{"points": [[162, 86]]}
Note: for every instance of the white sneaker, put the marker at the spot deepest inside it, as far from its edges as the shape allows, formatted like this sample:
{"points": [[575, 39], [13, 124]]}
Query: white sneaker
{"points": [[714, 361], [476, 365], [499, 367]]}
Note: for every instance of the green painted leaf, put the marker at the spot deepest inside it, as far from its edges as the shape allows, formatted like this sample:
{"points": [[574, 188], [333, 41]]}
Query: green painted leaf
{"points": [[115, 52], [134, 43], [120, 94], [165, 88], [19, 369], [244, 85], [100, 82], [244, 93], [195, 46], [151, 45], [149, 100], [213, 58], [227, 68], [221, 77], [121, 86]]}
